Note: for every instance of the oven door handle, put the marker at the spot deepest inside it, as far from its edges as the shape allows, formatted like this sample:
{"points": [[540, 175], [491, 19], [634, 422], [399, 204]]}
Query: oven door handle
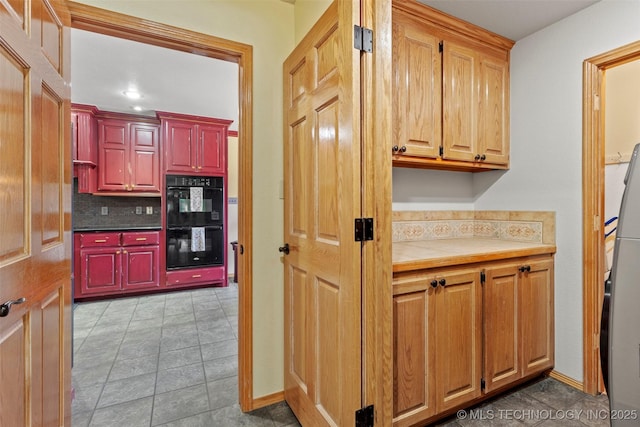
{"points": [[207, 227]]}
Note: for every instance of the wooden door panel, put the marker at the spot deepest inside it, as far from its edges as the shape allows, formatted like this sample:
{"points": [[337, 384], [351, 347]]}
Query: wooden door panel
{"points": [[493, 114], [140, 267], [13, 370], [35, 248], [417, 79], [322, 198], [459, 330], [459, 100], [180, 153], [113, 155], [211, 151], [501, 323], [536, 321]]}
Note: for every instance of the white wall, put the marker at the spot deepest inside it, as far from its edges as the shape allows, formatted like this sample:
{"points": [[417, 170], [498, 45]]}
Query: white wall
{"points": [[267, 25], [546, 147]]}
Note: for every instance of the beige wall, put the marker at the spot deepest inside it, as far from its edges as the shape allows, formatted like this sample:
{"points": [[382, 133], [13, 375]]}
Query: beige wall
{"points": [[267, 25], [307, 13], [232, 166], [622, 111]]}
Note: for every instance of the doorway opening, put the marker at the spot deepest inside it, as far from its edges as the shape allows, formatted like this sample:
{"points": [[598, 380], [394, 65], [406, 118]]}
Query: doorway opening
{"points": [[593, 155], [135, 29]]}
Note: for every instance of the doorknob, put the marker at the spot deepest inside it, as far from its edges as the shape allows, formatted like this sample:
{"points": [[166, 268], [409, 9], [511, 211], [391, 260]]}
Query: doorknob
{"points": [[6, 307], [284, 249]]}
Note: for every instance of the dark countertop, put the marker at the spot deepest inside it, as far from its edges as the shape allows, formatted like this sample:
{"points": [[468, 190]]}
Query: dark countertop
{"points": [[119, 228]]}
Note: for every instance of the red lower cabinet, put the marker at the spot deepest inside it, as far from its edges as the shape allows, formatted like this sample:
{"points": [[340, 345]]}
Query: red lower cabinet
{"points": [[114, 263], [195, 276]]}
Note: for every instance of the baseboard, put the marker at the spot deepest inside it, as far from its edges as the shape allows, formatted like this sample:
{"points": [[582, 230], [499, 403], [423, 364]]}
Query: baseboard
{"points": [[567, 380], [267, 400]]}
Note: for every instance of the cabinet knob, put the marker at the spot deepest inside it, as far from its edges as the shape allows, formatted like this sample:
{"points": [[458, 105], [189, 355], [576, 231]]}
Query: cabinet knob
{"points": [[434, 283], [443, 282], [403, 149], [5, 308], [193, 167], [524, 268], [483, 157], [477, 157], [395, 148], [199, 167], [124, 252]]}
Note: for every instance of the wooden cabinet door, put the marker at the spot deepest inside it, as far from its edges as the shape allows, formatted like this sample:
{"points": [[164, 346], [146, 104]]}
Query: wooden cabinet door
{"points": [[211, 150], [140, 267], [144, 157], [35, 226], [113, 155], [323, 339], [180, 151], [458, 338], [414, 392], [100, 270], [493, 112], [417, 81], [501, 323], [536, 317], [460, 102]]}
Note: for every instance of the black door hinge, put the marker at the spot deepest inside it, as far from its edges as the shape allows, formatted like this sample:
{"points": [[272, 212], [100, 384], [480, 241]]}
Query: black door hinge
{"points": [[363, 229], [483, 277], [440, 47], [482, 384], [362, 39], [441, 151], [364, 417]]}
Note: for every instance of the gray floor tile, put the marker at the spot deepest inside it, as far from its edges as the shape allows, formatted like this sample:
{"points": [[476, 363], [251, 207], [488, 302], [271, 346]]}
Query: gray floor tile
{"points": [[127, 389], [81, 419], [86, 397], [178, 404], [223, 367], [133, 367], [223, 392], [134, 349], [180, 357], [282, 415], [219, 349], [201, 420], [136, 413], [180, 377], [176, 342], [233, 416], [208, 335], [92, 375], [554, 393]]}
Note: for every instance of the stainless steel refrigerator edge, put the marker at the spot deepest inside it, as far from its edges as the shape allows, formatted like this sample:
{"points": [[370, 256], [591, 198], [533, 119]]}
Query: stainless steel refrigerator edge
{"points": [[622, 328]]}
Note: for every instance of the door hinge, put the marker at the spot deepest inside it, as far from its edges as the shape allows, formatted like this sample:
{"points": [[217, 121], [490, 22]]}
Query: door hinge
{"points": [[363, 229], [440, 47], [441, 151], [364, 417], [362, 39], [483, 277], [482, 384]]}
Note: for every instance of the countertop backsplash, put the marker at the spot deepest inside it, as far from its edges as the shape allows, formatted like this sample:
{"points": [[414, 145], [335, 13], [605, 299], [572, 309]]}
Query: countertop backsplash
{"points": [[521, 226], [120, 211]]}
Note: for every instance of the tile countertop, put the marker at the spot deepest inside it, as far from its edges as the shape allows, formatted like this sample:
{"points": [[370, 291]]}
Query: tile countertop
{"points": [[421, 254]]}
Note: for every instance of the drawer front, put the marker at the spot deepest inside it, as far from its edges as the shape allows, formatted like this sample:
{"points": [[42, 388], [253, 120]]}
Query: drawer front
{"points": [[92, 240], [140, 238], [195, 276]]}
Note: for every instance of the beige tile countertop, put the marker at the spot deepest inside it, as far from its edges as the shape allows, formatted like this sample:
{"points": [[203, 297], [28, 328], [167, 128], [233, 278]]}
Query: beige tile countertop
{"points": [[421, 254]]}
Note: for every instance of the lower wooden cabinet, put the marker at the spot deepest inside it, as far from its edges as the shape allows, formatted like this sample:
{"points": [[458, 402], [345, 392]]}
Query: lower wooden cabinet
{"points": [[114, 263], [461, 333]]}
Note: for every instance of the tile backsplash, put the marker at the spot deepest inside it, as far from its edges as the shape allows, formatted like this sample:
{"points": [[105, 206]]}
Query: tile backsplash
{"points": [[87, 211], [523, 226]]}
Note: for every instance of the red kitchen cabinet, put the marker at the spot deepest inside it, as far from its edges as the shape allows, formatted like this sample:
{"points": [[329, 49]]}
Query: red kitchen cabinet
{"points": [[194, 144], [84, 146], [128, 155], [113, 263], [195, 276]]}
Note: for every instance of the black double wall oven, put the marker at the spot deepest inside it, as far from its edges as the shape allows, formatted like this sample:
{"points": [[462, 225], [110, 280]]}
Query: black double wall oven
{"points": [[195, 221]]}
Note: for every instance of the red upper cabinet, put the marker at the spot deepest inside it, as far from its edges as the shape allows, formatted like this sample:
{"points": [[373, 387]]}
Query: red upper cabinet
{"points": [[84, 146], [194, 144], [128, 155]]}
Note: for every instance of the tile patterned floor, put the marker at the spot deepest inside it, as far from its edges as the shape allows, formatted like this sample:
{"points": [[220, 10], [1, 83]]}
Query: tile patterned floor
{"points": [[171, 360], [162, 360]]}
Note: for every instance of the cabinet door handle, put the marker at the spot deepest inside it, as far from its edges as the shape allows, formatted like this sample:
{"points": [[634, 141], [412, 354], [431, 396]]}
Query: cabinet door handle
{"points": [[477, 157], [395, 148], [124, 252], [443, 282], [6, 307], [141, 239], [100, 241], [434, 283], [483, 157], [195, 276], [403, 149]]}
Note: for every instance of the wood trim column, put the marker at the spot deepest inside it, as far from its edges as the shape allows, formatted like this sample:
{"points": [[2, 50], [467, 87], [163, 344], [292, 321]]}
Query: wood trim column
{"points": [[377, 300]]}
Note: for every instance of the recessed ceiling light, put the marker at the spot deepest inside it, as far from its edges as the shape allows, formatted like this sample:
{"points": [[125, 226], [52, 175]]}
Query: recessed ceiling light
{"points": [[132, 94], [137, 108]]}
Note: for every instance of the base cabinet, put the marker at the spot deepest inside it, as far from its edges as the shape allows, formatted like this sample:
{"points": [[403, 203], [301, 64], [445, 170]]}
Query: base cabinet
{"points": [[113, 263], [461, 333]]}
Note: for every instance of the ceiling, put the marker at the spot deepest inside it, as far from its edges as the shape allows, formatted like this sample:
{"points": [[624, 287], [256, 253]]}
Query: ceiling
{"points": [[514, 19], [103, 67]]}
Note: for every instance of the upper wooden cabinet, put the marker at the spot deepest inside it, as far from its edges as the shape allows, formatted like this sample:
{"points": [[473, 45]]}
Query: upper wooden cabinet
{"points": [[194, 144], [450, 92], [128, 154], [84, 147]]}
